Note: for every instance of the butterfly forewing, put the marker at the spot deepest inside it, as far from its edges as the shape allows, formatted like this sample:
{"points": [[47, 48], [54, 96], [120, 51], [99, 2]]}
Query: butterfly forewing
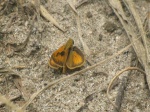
{"points": [[59, 56], [75, 59]]}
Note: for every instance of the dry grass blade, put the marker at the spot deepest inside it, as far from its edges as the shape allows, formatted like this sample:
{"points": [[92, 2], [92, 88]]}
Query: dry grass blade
{"points": [[149, 20], [74, 74], [132, 35], [10, 104], [117, 5], [80, 2], [115, 77], [18, 83], [85, 47], [16, 79], [147, 23], [139, 25], [11, 99], [117, 8], [47, 16], [19, 67], [72, 6]]}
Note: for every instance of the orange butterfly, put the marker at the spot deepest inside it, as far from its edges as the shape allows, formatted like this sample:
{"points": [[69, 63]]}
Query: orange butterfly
{"points": [[67, 56]]}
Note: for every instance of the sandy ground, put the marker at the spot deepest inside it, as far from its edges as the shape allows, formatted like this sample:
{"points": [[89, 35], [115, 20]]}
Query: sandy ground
{"points": [[104, 35]]}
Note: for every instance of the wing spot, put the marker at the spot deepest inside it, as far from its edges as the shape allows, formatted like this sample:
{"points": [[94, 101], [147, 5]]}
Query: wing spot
{"points": [[60, 53]]}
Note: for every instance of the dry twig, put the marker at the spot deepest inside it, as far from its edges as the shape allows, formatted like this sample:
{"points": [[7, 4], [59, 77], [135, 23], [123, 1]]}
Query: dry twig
{"points": [[132, 35], [120, 93], [115, 77], [47, 16]]}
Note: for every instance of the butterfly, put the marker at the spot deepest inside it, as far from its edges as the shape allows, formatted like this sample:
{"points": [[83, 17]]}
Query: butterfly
{"points": [[67, 56]]}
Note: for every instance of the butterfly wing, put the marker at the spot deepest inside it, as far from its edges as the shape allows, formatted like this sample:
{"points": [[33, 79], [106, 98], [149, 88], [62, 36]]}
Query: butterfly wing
{"points": [[75, 59], [52, 64], [58, 57]]}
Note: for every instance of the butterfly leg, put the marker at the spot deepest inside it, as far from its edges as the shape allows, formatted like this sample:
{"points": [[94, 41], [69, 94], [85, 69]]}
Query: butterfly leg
{"points": [[64, 69]]}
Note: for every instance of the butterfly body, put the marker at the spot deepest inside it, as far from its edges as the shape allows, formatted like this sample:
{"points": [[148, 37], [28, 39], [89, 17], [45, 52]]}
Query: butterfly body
{"points": [[67, 56]]}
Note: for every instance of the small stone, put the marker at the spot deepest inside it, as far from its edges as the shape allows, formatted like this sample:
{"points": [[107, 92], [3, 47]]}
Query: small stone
{"points": [[110, 27], [66, 9], [148, 35], [100, 37], [89, 14], [119, 31]]}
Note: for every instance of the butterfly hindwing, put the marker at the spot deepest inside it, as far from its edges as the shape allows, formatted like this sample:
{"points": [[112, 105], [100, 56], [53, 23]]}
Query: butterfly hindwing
{"points": [[52, 64]]}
